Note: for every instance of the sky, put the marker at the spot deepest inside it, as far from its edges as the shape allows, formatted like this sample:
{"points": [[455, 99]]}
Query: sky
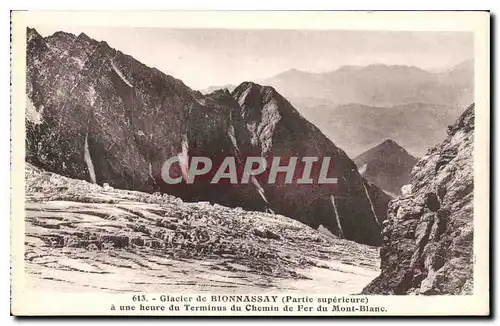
{"points": [[216, 57]]}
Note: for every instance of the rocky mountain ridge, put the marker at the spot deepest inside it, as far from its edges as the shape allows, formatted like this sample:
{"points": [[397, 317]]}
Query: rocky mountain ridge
{"points": [[429, 231], [99, 115]]}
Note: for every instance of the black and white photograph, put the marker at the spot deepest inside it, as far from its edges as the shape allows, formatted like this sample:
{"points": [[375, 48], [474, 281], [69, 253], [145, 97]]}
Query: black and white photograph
{"points": [[246, 164]]}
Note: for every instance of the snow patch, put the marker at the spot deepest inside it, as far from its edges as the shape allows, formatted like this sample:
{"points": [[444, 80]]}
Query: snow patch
{"points": [[32, 114], [79, 62], [371, 205], [107, 187], [337, 218], [183, 156], [260, 190], [200, 100], [325, 231], [91, 95], [115, 68], [231, 133], [243, 96], [88, 160], [362, 169], [150, 170], [406, 189]]}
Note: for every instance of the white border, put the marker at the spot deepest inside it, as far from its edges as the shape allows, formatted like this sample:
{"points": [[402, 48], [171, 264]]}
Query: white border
{"points": [[433, 24]]}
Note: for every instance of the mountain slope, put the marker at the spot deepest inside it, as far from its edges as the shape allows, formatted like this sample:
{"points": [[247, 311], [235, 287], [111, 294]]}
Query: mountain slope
{"points": [[387, 165], [428, 235], [276, 129], [99, 115]]}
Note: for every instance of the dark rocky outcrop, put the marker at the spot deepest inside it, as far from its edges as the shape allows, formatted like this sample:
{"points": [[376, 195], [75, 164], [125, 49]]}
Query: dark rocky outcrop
{"points": [[387, 165], [428, 235], [96, 114]]}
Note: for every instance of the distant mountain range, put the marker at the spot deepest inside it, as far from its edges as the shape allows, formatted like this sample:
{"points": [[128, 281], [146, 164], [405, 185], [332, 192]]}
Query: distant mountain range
{"points": [[387, 165], [358, 127], [359, 107], [211, 89], [380, 85]]}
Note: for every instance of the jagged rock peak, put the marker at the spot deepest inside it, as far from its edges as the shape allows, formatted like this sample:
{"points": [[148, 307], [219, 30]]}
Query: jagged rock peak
{"points": [[276, 128], [465, 122], [31, 31], [251, 89], [255, 100], [83, 36], [61, 39]]}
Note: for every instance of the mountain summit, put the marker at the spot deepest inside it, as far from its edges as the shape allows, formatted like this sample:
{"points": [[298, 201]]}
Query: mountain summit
{"points": [[387, 165]]}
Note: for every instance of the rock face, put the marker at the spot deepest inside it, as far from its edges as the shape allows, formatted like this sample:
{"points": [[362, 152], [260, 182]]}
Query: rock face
{"points": [[93, 99], [428, 235], [96, 114], [387, 165]]}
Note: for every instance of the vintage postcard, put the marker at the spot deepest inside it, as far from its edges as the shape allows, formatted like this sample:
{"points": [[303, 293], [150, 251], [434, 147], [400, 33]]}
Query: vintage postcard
{"points": [[250, 163]]}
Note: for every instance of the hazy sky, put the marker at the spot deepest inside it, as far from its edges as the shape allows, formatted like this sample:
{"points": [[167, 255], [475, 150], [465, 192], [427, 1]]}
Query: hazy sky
{"points": [[203, 58]]}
